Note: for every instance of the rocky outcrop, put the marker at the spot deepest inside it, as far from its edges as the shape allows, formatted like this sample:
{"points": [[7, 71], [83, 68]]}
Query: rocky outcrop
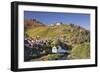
{"points": [[29, 23]]}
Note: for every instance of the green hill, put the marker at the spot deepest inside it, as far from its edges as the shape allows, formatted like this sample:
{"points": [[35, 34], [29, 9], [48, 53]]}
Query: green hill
{"points": [[72, 34], [75, 36]]}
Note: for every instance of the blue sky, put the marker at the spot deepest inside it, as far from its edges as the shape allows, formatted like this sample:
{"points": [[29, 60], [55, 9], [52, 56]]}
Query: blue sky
{"points": [[53, 17]]}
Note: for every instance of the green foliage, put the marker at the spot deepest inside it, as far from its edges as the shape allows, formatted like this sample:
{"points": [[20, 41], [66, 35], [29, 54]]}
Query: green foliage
{"points": [[81, 51], [53, 56]]}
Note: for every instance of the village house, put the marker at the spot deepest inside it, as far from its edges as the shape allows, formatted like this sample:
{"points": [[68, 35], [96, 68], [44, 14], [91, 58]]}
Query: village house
{"points": [[58, 49], [59, 23]]}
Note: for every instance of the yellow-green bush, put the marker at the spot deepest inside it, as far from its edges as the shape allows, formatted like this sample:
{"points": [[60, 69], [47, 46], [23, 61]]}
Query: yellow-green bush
{"points": [[81, 51]]}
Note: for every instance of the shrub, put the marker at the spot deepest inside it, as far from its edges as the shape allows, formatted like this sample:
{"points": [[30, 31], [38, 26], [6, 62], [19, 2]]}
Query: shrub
{"points": [[81, 51], [54, 56]]}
